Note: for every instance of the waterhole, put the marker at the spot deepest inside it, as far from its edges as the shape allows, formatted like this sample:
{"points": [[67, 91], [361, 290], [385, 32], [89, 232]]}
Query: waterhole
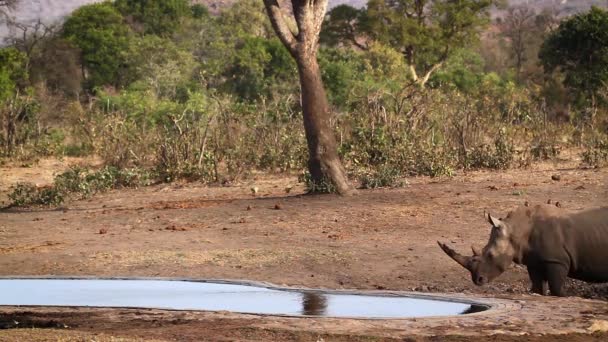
{"points": [[221, 296]]}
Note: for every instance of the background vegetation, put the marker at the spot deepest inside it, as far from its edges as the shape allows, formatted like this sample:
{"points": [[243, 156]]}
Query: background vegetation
{"points": [[168, 91]]}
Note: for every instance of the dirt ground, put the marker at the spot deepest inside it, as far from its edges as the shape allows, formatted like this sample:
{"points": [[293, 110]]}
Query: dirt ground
{"points": [[377, 240]]}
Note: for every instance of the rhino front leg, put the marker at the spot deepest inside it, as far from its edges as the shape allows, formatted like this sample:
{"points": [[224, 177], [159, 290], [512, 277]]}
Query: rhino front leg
{"points": [[538, 279], [556, 275]]}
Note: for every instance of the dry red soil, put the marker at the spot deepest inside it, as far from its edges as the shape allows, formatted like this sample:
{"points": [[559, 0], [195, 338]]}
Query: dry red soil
{"points": [[376, 240]]}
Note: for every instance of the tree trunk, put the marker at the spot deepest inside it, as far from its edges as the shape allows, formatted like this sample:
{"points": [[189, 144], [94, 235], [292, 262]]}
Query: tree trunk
{"points": [[323, 161]]}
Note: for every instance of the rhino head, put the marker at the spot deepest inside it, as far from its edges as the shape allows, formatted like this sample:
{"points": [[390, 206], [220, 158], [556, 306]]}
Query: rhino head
{"points": [[493, 259]]}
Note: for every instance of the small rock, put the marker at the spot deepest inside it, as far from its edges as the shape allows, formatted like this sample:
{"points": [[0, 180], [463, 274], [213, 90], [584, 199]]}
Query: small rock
{"points": [[277, 206], [249, 207], [557, 204], [556, 177], [580, 187], [493, 187], [103, 231], [549, 201]]}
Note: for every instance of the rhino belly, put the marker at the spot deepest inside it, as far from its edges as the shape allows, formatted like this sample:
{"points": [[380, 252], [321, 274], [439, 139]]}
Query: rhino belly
{"points": [[595, 271], [590, 277]]}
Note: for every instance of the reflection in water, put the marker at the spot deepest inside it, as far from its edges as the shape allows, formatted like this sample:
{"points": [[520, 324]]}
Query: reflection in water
{"points": [[221, 296], [474, 308], [313, 304]]}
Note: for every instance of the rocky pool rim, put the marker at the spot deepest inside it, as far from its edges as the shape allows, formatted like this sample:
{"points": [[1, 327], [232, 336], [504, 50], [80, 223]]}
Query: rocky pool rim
{"points": [[484, 305]]}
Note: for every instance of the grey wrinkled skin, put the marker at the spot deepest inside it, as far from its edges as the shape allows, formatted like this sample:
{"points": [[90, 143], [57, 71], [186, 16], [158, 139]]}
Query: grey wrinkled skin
{"points": [[551, 243]]}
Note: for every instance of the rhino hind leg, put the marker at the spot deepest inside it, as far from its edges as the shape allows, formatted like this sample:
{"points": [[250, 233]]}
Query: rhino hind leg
{"points": [[539, 281], [556, 276]]}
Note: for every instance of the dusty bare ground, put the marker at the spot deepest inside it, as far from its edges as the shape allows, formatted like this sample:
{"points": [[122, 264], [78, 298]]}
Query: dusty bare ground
{"points": [[376, 240]]}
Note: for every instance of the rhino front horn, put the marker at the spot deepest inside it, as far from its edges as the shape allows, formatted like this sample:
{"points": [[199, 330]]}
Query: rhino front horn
{"points": [[464, 261]]}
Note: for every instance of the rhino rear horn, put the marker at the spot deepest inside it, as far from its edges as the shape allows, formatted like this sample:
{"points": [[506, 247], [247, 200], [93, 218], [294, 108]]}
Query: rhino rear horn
{"points": [[493, 220], [476, 251], [464, 261]]}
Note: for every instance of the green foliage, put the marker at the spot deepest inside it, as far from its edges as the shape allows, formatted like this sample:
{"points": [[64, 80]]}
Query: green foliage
{"points": [[579, 48], [341, 26], [100, 33], [383, 177], [245, 17], [261, 67], [159, 17], [325, 186], [199, 11], [340, 69], [157, 64], [13, 72], [78, 183], [26, 194], [463, 70], [425, 32]]}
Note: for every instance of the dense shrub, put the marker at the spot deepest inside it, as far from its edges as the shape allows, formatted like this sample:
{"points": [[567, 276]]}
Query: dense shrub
{"points": [[78, 183]]}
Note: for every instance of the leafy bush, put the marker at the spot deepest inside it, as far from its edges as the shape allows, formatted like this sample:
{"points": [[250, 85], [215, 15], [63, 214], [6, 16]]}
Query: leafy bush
{"points": [[25, 194], [326, 186], [383, 177], [78, 183], [596, 154], [499, 157]]}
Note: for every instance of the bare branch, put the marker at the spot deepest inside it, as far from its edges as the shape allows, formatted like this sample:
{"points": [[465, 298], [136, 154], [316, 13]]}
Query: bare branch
{"points": [[7, 6]]}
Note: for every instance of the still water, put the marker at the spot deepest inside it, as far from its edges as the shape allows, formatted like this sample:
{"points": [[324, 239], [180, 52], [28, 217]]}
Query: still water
{"points": [[210, 296]]}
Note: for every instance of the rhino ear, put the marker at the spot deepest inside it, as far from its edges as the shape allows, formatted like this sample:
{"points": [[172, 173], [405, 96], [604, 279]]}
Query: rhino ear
{"points": [[493, 221]]}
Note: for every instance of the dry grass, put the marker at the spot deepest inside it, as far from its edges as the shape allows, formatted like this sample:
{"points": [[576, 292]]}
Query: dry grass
{"points": [[56, 335], [246, 258]]}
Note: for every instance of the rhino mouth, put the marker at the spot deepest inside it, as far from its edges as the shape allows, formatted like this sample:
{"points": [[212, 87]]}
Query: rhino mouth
{"points": [[480, 280]]}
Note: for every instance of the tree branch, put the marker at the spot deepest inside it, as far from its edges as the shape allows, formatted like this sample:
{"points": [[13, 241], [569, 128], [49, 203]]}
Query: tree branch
{"points": [[280, 26]]}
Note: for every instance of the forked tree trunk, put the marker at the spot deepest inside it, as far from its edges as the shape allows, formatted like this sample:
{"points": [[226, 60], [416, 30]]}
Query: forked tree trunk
{"points": [[324, 163]]}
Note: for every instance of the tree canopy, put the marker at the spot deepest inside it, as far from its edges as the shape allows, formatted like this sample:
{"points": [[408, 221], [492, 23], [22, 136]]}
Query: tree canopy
{"points": [[579, 48], [13, 73], [99, 31], [160, 17], [426, 32]]}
